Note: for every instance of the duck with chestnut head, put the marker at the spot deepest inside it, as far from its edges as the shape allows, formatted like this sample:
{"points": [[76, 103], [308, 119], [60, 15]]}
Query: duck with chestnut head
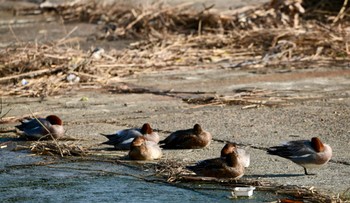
{"points": [[306, 153], [122, 139], [42, 128]]}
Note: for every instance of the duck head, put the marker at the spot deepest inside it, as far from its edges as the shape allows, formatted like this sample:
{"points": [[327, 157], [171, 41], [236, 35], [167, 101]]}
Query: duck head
{"points": [[232, 159], [228, 148], [317, 144], [146, 129], [54, 120], [197, 129], [138, 141]]}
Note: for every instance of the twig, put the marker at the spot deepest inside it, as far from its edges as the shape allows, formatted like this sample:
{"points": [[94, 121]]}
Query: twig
{"points": [[140, 17], [31, 74], [65, 37], [13, 33], [341, 12], [2, 116]]}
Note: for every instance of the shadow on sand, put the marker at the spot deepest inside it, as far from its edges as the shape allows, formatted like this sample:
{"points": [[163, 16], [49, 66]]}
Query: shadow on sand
{"points": [[274, 175]]}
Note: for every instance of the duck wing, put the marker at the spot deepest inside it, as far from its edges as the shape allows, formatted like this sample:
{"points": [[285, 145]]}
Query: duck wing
{"points": [[175, 135], [122, 136], [298, 148], [35, 133], [184, 141], [30, 123]]}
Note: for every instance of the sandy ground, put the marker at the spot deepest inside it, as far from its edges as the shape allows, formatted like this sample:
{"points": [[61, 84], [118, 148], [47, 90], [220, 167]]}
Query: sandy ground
{"points": [[318, 104]]}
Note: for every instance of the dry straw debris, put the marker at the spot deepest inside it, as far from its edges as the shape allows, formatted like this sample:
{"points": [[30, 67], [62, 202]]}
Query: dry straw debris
{"points": [[62, 149], [279, 35]]}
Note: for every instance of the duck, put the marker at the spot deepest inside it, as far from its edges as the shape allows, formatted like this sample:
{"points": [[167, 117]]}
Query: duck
{"points": [[122, 139], [193, 138], [243, 155], [226, 166], [306, 153], [142, 149], [50, 127]]}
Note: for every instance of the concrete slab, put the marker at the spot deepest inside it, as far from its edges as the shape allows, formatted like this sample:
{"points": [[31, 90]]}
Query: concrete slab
{"points": [[326, 116]]}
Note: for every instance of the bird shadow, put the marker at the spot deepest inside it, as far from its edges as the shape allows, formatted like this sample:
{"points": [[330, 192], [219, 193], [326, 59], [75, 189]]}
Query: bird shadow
{"points": [[274, 175], [108, 149]]}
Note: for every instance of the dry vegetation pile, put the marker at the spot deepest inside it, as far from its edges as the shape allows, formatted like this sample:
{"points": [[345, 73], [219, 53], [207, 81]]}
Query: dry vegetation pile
{"points": [[62, 149], [279, 35]]}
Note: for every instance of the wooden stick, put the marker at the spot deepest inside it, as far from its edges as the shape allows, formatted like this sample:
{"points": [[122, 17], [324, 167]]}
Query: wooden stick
{"points": [[30, 74]]}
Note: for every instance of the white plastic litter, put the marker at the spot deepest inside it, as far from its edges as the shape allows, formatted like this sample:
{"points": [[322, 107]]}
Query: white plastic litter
{"points": [[24, 82], [72, 78], [243, 191]]}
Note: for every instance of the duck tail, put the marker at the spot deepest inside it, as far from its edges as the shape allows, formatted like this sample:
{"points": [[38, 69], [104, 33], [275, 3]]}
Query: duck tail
{"points": [[191, 168], [109, 136], [112, 139], [279, 151], [165, 146], [20, 127]]}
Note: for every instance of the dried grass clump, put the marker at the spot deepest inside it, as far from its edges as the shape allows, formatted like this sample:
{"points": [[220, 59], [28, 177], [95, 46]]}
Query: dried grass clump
{"points": [[123, 21], [43, 67], [301, 193], [62, 149], [171, 169], [42, 70], [46, 68]]}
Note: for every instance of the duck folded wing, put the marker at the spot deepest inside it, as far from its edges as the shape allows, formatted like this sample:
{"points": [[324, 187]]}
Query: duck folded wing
{"points": [[31, 123], [121, 136], [292, 149], [176, 135], [36, 133], [184, 142], [219, 168]]}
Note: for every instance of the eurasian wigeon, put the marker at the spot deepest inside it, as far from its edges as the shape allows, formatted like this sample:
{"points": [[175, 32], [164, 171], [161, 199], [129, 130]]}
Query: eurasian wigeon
{"points": [[306, 153], [243, 156], [193, 138], [142, 149], [41, 128], [227, 167], [123, 138]]}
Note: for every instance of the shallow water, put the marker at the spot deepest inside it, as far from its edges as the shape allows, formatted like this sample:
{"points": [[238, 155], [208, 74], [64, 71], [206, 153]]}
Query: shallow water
{"points": [[98, 182]]}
